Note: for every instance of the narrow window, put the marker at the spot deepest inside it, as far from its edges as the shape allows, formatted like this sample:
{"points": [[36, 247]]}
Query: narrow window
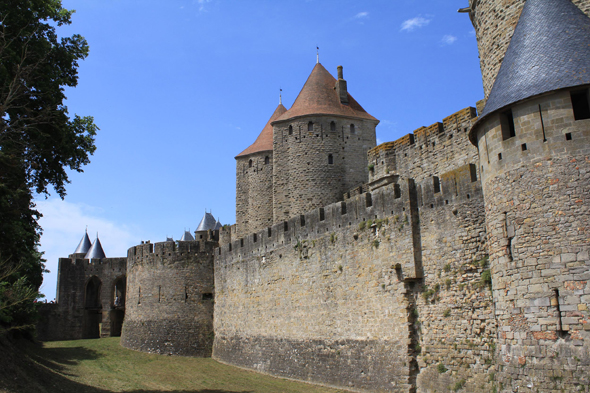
{"points": [[568, 136], [368, 199], [266, 160], [397, 191], [332, 126], [342, 208], [473, 172], [290, 130], [352, 129], [436, 184], [241, 242], [523, 147], [330, 159], [285, 226], [507, 123], [250, 164], [499, 156], [322, 215], [255, 238], [269, 232], [159, 293], [580, 105], [310, 126]]}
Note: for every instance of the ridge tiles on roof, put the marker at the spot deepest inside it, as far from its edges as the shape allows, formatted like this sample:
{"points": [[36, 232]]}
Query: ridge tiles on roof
{"points": [[318, 96], [264, 140]]}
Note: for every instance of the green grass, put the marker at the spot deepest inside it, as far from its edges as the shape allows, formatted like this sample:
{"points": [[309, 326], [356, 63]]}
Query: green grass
{"points": [[102, 365]]}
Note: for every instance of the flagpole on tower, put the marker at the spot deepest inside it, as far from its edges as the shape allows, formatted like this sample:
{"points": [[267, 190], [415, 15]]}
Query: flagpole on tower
{"points": [[318, 55], [280, 96]]}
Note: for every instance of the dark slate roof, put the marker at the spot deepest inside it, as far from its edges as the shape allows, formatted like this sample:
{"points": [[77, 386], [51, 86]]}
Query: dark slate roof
{"points": [[95, 251], [318, 97], [187, 237], [84, 245], [550, 50], [264, 140], [218, 225], [207, 222]]}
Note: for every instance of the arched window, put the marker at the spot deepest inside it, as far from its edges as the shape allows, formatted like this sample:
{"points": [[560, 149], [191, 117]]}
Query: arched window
{"points": [[92, 299], [310, 126], [330, 159], [250, 164], [332, 126], [352, 129], [266, 160], [290, 130]]}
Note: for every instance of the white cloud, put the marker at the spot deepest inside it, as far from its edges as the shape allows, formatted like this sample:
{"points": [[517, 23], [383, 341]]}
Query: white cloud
{"points": [[449, 39], [414, 23], [202, 4], [63, 226], [361, 15]]}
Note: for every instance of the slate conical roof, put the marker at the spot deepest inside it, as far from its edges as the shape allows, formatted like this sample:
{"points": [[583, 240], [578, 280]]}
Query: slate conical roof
{"points": [[264, 140], [95, 251], [84, 245], [218, 225], [550, 50], [187, 237], [318, 96], [207, 222]]}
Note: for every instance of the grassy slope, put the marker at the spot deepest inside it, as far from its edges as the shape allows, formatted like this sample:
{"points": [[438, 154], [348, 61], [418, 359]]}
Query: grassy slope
{"points": [[104, 366]]}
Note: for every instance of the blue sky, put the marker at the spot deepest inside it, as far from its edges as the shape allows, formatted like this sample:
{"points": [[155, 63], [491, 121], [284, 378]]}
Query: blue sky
{"points": [[179, 87]]}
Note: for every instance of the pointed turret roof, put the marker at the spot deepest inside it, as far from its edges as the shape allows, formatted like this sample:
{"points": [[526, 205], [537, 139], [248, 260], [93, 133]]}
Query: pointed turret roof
{"points": [[95, 251], [207, 222], [319, 97], [187, 237], [264, 140], [218, 225], [550, 50], [84, 245]]}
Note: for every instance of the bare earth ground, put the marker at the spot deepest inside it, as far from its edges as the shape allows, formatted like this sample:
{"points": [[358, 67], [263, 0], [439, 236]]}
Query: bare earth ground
{"points": [[102, 365]]}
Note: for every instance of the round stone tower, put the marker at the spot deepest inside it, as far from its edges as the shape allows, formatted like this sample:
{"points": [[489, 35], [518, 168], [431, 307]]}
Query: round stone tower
{"points": [[320, 146], [494, 23], [534, 148], [254, 168]]}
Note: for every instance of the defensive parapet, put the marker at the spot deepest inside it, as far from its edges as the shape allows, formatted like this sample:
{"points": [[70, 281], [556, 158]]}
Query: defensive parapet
{"points": [[85, 302], [316, 296], [429, 151], [170, 297]]}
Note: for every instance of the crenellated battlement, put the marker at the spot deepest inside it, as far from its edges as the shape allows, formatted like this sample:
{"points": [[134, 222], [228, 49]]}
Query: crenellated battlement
{"points": [[171, 252]]}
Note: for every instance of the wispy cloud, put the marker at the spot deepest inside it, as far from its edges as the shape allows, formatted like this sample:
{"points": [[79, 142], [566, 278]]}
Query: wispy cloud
{"points": [[63, 226], [202, 3], [362, 15], [449, 39], [415, 23]]}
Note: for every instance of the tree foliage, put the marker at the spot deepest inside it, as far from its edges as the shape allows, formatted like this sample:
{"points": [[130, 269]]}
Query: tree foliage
{"points": [[39, 141]]}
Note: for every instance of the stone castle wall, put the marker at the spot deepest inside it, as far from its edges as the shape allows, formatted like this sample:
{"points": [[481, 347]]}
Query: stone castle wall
{"points": [[537, 193], [494, 23], [254, 192], [71, 318], [314, 168], [429, 151], [170, 295], [369, 293]]}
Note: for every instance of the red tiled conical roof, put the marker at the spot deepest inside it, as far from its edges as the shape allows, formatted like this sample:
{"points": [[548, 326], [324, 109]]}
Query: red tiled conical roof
{"points": [[318, 96], [264, 140]]}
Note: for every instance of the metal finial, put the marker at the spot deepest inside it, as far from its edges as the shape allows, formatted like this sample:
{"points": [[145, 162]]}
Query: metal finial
{"points": [[318, 55], [281, 97]]}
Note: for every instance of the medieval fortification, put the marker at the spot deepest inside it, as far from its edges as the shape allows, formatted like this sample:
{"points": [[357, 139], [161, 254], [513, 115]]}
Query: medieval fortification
{"points": [[455, 258]]}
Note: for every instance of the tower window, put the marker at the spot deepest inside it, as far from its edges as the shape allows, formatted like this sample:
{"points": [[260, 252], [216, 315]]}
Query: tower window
{"points": [[580, 105], [310, 126], [250, 164], [332, 126], [507, 124], [290, 130], [352, 129], [330, 159], [436, 184], [266, 160]]}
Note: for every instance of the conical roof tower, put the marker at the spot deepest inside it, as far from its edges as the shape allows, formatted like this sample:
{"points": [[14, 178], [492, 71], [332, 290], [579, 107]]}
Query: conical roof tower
{"points": [[548, 51], [207, 222], [264, 140], [320, 97], [186, 236], [84, 244], [95, 251]]}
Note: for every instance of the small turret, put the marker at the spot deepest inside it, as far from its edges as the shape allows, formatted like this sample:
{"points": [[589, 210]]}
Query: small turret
{"points": [[341, 88], [84, 245], [95, 251]]}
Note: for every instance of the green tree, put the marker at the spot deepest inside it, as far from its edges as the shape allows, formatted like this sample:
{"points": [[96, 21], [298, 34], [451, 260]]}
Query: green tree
{"points": [[39, 141]]}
